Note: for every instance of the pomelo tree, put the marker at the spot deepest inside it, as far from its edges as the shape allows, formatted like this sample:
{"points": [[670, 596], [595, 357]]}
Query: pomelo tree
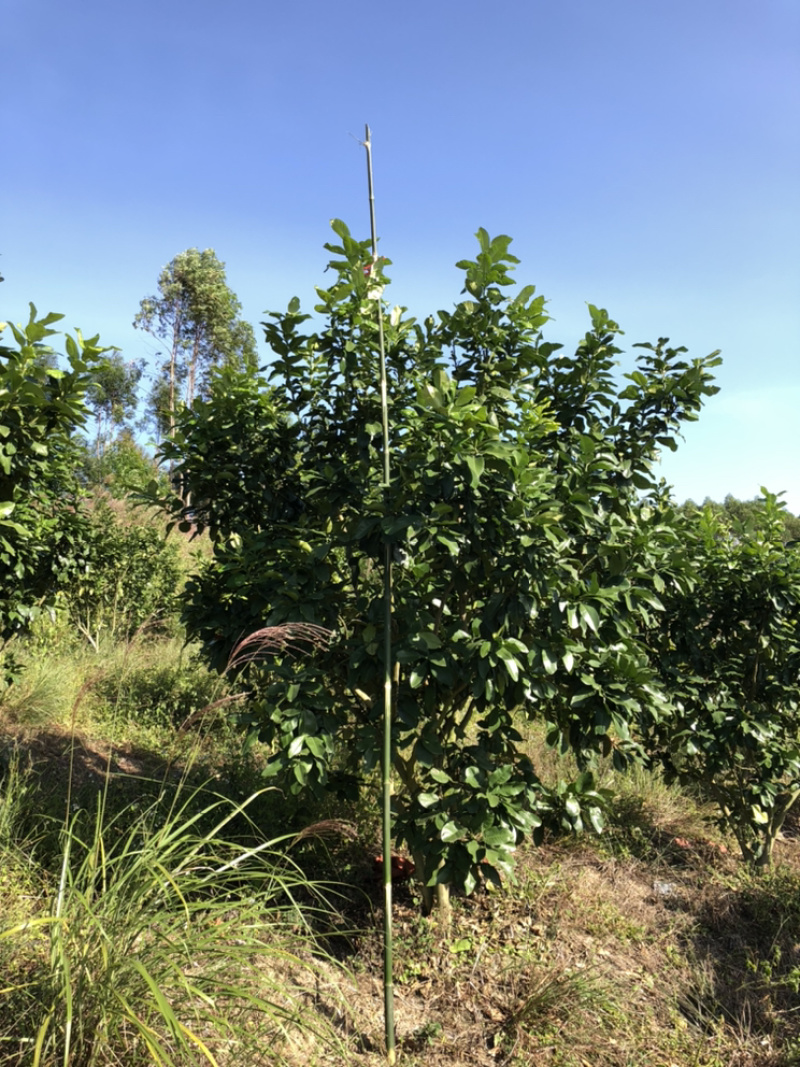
{"points": [[41, 409], [530, 535], [728, 651]]}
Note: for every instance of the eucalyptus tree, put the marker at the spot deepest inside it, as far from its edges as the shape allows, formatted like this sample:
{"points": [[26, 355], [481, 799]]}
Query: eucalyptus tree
{"points": [[197, 316], [113, 395], [530, 535]]}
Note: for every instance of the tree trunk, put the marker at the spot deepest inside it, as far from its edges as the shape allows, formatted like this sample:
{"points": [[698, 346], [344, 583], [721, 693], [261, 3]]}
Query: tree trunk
{"points": [[173, 370], [191, 378], [443, 902], [432, 895]]}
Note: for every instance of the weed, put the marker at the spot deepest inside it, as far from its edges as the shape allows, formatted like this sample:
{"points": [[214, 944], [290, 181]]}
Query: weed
{"points": [[163, 944], [44, 693]]}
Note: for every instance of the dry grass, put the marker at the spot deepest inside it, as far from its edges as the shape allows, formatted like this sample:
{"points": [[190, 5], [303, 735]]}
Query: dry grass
{"points": [[590, 961], [651, 945]]}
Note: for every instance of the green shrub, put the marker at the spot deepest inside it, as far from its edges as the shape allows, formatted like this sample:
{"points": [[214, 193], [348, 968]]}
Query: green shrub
{"points": [[526, 564], [130, 577], [122, 467], [41, 523], [160, 693], [728, 650]]}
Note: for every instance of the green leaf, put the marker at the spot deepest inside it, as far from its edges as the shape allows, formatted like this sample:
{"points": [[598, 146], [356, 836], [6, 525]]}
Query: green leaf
{"points": [[449, 543], [430, 640], [476, 468], [472, 777], [590, 617], [296, 747], [572, 808], [595, 817], [512, 667], [451, 831], [500, 837], [549, 662], [339, 228], [462, 944]]}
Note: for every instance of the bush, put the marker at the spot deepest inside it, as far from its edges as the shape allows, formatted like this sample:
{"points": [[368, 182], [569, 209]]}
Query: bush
{"points": [[41, 525], [525, 561], [129, 577], [161, 694], [729, 652], [122, 467]]}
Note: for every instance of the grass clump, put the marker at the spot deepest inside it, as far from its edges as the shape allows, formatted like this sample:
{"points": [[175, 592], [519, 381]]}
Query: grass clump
{"points": [[166, 690], [44, 692], [163, 940]]}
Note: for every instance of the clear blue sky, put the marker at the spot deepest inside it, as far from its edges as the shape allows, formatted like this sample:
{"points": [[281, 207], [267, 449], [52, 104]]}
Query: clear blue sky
{"points": [[645, 156]]}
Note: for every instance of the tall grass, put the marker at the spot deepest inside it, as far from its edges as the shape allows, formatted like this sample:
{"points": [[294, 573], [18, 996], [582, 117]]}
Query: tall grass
{"points": [[45, 692], [163, 940]]}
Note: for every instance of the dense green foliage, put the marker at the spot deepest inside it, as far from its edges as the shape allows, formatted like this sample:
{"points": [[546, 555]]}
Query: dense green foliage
{"points": [[526, 560], [539, 566], [56, 550], [744, 512], [129, 577], [541, 574], [41, 526], [122, 467], [729, 653], [231, 459]]}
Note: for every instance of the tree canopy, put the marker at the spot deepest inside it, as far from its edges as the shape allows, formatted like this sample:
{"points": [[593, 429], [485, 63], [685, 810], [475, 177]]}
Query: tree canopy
{"points": [[747, 513], [113, 395], [728, 651], [197, 316], [525, 554]]}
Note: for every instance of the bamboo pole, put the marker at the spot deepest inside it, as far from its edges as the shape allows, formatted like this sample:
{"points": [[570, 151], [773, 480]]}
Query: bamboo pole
{"points": [[388, 981]]}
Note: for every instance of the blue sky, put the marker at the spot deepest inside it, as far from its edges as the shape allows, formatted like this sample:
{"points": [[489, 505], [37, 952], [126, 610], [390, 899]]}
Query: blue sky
{"points": [[644, 156]]}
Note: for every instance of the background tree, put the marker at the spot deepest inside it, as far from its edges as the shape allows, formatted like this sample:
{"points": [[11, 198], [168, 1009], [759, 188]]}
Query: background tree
{"points": [[129, 577], [113, 396], [197, 316], [729, 652], [235, 462], [125, 466], [526, 561]]}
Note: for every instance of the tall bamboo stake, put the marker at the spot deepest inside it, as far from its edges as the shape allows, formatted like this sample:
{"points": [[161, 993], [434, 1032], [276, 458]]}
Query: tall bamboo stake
{"points": [[388, 982]]}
